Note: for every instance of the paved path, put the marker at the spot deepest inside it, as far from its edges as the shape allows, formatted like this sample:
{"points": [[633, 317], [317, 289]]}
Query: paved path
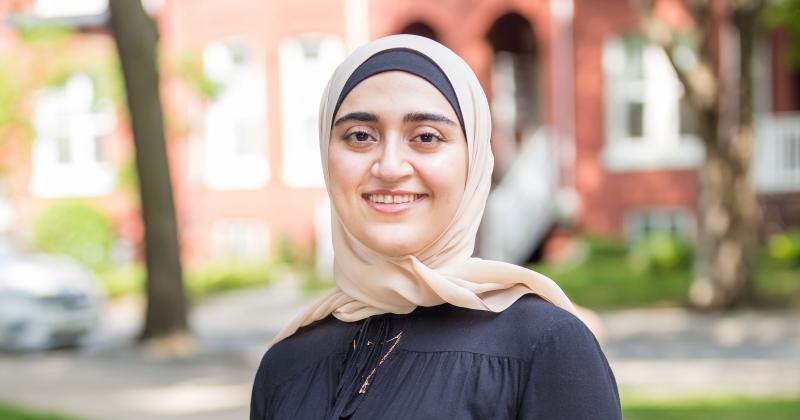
{"points": [[653, 352], [668, 352], [112, 379]]}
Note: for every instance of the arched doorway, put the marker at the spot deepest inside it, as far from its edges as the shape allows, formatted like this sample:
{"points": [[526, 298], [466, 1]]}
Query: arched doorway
{"points": [[515, 86], [520, 209], [421, 29]]}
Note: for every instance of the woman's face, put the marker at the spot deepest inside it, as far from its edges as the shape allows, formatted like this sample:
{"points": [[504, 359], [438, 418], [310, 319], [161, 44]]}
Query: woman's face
{"points": [[397, 163]]}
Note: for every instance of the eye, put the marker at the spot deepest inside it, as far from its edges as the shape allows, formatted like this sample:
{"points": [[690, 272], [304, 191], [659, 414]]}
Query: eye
{"points": [[358, 138], [428, 138]]}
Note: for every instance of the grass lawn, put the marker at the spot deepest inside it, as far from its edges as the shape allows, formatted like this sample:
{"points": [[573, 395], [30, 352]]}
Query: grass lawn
{"points": [[731, 408], [15, 412], [610, 277]]}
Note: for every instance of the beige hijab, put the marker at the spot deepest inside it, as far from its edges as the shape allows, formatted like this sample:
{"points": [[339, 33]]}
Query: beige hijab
{"points": [[369, 283]]}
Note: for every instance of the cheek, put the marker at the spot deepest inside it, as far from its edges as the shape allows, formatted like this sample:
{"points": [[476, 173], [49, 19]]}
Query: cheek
{"points": [[446, 176], [345, 170]]}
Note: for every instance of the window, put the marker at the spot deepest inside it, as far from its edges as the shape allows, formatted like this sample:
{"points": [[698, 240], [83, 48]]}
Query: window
{"points": [[645, 125], [71, 124], [240, 239], [235, 155], [62, 8], [676, 222], [306, 64]]}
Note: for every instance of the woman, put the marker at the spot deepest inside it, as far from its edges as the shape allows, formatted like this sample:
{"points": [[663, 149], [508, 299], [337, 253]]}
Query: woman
{"points": [[416, 328]]}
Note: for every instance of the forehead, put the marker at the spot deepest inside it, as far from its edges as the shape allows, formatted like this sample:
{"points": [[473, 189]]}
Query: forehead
{"points": [[396, 91]]}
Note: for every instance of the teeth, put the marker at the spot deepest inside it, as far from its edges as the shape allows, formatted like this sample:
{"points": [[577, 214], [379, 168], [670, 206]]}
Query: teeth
{"points": [[393, 199]]}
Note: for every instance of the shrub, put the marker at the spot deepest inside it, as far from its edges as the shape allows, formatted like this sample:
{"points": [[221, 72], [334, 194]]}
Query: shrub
{"points": [[219, 276], [76, 229], [785, 247], [124, 280], [659, 252]]}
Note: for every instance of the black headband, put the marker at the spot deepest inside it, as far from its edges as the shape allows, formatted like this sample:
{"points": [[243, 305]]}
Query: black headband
{"points": [[407, 60]]}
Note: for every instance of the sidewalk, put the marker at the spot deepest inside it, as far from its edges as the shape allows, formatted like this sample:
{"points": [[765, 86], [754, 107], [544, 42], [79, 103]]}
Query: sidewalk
{"points": [[113, 380], [656, 352], [676, 352]]}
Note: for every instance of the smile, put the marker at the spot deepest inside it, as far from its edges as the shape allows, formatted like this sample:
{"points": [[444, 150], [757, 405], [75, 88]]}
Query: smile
{"points": [[392, 202]]}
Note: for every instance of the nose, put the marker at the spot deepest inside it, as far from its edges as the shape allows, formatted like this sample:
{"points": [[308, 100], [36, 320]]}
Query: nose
{"points": [[392, 164]]}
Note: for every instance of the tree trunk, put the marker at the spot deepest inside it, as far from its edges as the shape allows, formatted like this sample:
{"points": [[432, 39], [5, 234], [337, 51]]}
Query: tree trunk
{"points": [[727, 203], [136, 38], [722, 97]]}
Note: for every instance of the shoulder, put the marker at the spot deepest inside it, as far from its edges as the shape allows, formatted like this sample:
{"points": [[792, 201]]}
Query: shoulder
{"points": [[304, 349], [514, 332], [532, 321]]}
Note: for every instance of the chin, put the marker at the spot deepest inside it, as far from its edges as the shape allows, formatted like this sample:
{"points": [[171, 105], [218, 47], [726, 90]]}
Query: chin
{"points": [[399, 246], [394, 249]]}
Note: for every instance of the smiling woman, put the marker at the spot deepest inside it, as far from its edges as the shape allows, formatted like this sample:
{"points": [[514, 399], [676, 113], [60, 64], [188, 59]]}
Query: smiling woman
{"points": [[416, 327], [397, 171]]}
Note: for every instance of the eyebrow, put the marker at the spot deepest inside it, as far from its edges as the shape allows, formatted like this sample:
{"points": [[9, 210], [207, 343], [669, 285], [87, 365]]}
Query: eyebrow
{"points": [[426, 116], [357, 116], [410, 117]]}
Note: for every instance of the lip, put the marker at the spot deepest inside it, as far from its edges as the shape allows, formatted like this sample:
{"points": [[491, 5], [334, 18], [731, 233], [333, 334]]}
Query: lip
{"points": [[393, 208]]}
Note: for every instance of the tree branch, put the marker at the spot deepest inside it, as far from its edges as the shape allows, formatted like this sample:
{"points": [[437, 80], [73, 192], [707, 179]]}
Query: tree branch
{"points": [[700, 82]]}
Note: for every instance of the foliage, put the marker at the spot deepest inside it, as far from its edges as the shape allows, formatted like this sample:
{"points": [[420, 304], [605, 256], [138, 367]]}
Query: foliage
{"points": [[605, 279], [44, 36], [201, 280], [220, 276], [35, 66], [659, 252], [76, 229], [190, 68], [728, 408], [14, 412], [127, 174], [11, 94], [121, 281], [785, 247], [786, 14]]}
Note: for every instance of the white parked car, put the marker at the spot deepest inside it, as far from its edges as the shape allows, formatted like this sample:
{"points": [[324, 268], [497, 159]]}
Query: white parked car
{"points": [[46, 301]]}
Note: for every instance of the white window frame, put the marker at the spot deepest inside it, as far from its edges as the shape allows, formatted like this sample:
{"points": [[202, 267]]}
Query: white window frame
{"points": [[71, 116], [679, 220], [661, 145], [238, 107], [303, 78], [240, 239], [66, 8]]}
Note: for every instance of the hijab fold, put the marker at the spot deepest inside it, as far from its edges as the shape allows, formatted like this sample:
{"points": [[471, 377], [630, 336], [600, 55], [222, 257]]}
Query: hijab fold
{"points": [[370, 283]]}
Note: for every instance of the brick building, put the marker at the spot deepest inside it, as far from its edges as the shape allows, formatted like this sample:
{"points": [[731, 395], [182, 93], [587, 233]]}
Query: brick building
{"points": [[589, 127]]}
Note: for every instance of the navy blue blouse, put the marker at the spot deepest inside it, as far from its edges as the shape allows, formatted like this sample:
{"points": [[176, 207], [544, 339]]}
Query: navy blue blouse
{"points": [[531, 361]]}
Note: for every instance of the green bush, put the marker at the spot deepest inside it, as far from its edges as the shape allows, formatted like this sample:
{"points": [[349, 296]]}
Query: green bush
{"points": [[199, 281], [785, 247], [659, 252], [124, 280], [15, 412], [219, 276], [76, 229]]}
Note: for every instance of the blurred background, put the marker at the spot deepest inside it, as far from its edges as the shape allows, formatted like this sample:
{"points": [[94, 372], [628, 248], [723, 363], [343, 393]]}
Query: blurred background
{"points": [[647, 159]]}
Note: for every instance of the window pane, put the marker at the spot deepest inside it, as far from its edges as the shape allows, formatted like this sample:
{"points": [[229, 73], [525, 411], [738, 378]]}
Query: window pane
{"points": [[635, 116]]}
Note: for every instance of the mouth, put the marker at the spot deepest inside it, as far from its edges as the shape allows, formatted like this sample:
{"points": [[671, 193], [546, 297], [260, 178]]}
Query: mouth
{"points": [[393, 202]]}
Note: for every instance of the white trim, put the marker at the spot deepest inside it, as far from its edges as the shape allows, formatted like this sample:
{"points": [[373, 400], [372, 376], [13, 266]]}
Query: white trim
{"points": [[65, 8], [661, 219], [65, 159], [356, 23], [657, 88], [235, 155], [239, 239], [306, 63]]}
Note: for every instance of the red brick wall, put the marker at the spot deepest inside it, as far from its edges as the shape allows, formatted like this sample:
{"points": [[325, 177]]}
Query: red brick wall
{"points": [[607, 196]]}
